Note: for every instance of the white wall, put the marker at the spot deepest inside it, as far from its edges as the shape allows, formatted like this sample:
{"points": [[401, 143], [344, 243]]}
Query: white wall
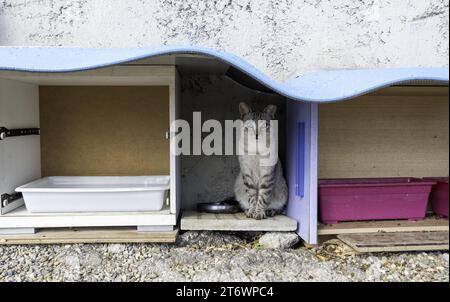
{"points": [[280, 37], [20, 160]]}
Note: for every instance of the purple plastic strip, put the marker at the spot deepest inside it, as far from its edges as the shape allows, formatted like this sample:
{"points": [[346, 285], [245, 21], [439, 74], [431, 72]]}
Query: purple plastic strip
{"points": [[300, 179]]}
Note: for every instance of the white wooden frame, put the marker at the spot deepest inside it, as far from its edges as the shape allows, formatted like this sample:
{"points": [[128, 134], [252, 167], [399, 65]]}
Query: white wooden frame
{"points": [[303, 208], [111, 76], [19, 158]]}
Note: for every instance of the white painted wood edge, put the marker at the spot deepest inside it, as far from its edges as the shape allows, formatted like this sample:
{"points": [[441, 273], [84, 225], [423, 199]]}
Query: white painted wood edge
{"points": [[17, 231], [86, 220]]}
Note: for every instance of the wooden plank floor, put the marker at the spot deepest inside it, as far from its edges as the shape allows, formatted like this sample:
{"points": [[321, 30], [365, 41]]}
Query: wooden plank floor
{"points": [[235, 222], [90, 235], [395, 242], [429, 224]]}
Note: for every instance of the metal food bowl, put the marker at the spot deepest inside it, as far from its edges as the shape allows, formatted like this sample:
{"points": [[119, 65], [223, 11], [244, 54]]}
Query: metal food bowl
{"points": [[229, 206]]}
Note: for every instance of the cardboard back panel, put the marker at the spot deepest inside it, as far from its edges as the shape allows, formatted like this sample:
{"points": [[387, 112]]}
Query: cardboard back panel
{"points": [[104, 130], [398, 131]]}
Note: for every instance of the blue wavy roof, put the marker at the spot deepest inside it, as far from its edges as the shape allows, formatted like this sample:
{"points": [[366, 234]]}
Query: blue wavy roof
{"points": [[320, 86]]}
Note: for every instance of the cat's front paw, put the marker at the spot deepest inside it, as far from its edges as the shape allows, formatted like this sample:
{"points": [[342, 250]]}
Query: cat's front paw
{"points": [[258, 215], [249, 213], [271, 212]]}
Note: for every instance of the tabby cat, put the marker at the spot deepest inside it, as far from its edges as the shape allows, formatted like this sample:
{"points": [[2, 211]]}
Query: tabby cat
{"points": [[260, 189]]}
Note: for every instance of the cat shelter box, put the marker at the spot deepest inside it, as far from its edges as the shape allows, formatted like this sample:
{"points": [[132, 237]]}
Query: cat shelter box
{"points": [[88, 149], [363, 149], [85, 140]]}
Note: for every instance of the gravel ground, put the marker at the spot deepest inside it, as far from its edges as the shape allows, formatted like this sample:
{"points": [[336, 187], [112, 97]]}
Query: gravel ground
{"points": [[205, 256]]}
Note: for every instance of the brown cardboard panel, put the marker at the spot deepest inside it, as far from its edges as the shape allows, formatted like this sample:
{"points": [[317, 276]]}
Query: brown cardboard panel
{"points": [[104, 130], [389, 133]]}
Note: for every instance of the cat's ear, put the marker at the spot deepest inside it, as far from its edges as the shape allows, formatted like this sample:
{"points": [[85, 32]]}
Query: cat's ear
{"points": [[243, 109], [271, 110]]}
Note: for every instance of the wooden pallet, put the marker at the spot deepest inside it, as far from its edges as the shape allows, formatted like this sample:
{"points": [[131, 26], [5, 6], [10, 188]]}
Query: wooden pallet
{"points": [[395, 242], [430, 224], [90, 235]]}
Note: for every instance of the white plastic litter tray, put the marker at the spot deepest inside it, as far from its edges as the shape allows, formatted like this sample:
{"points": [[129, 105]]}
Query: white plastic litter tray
{"points": [[95, 194]]}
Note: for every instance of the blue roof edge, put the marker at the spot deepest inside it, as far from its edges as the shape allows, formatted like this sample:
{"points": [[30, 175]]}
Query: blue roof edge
{"points": [[319, 86]]}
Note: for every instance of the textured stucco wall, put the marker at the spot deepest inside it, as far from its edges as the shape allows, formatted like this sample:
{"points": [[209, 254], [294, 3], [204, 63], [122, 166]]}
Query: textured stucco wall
{"points": [[280, 37]]}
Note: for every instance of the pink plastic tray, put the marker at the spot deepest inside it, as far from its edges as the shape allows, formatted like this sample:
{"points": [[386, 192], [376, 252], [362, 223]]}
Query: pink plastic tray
{"points": [[356, 199], [439, 196]]}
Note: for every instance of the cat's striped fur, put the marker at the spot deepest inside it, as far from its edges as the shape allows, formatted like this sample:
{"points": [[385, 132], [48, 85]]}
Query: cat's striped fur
{"points": [[261, 190]]}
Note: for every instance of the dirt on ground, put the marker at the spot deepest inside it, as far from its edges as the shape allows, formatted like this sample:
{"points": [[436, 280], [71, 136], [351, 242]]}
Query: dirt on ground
{"points": [[214, 256]]}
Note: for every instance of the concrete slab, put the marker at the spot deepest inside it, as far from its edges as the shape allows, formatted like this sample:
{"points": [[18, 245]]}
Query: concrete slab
{"points": [[197, 221]]}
